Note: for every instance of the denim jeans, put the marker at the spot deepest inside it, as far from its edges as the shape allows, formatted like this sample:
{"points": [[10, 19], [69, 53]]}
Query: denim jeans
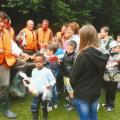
{"points": [[86, 110], [36, 105]]}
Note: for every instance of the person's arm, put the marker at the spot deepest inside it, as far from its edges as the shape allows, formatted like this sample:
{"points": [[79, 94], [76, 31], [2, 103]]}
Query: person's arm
{"points": [[17, 51], [51, 37], [51, 78], [77, 70]]}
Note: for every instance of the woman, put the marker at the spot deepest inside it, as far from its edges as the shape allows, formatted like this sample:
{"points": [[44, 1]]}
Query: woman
{"points": [[86, 78]]}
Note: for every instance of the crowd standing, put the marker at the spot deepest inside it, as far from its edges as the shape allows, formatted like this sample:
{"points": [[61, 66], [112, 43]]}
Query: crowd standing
{"points": [[77, 62]]}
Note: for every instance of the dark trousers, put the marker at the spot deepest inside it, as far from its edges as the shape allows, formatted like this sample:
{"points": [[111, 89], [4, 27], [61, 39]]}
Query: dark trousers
{"points": [[36, 105], [110, 92], [4, 101]]}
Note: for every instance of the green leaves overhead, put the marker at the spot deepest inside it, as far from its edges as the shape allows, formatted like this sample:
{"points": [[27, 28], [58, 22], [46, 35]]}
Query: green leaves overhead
{"points": [[98, 12]]}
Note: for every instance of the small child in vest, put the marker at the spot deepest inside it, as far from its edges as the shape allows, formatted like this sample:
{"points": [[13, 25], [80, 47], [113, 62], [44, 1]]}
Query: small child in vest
{"points": [[112, 75], [118, 40], [67, 65], [43, 79], [53, 65]]}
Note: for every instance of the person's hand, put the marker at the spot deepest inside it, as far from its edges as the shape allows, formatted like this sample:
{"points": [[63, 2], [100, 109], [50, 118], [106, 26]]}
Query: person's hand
{"points": [[1, 51], [25, 56], [49, 87], [32, 56], [71, 95], [59, 61]]}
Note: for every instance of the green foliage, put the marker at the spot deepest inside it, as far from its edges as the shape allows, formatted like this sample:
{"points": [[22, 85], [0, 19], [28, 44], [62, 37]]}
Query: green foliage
{"points": [[62, 13], [97, 12], [24, 6]]}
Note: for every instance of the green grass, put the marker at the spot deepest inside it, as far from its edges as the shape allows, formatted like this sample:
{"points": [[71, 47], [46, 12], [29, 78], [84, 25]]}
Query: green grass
{"points": [[22, 107]]}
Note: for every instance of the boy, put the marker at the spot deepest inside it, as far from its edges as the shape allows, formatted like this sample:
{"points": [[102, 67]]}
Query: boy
{"points": [[105, 39], [118, 40], [67, 65], [43, 79], [112, 75], [53, 65]]}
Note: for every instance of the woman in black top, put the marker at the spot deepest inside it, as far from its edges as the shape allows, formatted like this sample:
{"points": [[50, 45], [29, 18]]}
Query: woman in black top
{"points": [[86, 78]]}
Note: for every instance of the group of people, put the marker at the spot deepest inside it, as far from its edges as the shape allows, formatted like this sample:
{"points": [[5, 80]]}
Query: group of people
{"points": [[86, 62]]}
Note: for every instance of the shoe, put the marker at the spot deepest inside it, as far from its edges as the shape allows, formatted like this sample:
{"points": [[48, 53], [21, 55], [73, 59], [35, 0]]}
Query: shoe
{"points": [[109, 109], [66, 105], [104, 105], [35, 115], [44, 118], [49, 108], [67, 98], [55, 106], [9, 114], [70, 108]]}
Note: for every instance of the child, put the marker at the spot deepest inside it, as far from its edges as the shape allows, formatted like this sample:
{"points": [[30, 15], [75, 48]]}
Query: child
{"points": [[53, 65], [67, 64], [118, 40], [43, 79], [112, 75]]}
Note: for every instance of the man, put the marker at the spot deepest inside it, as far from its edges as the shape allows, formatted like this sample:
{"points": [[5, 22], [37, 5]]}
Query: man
{"points": [[27, 38], [45, 35], [8, 52], [105, 38], [8, 27]]}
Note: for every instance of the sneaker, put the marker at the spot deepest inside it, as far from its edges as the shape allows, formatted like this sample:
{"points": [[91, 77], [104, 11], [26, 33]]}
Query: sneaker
{"points": [[104, 105], [109, 109], [70, 108], [67, 105], [49, 108], [55, 106], [98, 107], [67, 98], [9, 114]]}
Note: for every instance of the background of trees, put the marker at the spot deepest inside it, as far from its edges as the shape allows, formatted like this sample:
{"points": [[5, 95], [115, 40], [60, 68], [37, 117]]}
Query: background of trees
{"points": [[59, 12]]}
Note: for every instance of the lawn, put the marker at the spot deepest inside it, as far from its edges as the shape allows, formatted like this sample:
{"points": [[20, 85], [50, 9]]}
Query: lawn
{"points": [[22, 107]]}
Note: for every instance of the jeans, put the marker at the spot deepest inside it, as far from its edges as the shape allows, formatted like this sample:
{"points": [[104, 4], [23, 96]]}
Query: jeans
{"points": [[36, 105], [86, 110]]}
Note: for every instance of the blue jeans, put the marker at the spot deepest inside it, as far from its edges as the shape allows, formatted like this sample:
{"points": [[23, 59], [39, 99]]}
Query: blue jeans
{"points": [[36, 105], [86, 110], [54, 96]]}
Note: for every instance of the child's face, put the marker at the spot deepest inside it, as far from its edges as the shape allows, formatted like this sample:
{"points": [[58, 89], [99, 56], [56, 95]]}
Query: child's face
{"points": [[70, 49], [118, 38], [103, 33], [39, 62], [116, 49]]}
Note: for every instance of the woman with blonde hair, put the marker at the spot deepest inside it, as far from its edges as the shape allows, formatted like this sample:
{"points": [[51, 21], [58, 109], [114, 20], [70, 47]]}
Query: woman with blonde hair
{"points": [[86, 77]]}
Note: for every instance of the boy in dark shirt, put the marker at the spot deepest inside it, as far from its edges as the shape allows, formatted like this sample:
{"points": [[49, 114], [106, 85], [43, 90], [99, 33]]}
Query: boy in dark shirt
{"points": [[67, 65]]}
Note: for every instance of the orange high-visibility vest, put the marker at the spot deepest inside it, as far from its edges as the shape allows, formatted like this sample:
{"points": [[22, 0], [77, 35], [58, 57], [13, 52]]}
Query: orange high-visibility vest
{"points": [[30, 39], [6, 44], [44, 36]]}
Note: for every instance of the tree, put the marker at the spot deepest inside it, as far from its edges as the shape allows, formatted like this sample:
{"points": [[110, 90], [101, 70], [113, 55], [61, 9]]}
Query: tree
{"points": [[58, 12]]}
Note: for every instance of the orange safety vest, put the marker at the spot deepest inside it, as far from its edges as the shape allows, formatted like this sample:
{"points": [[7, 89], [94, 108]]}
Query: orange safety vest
{"points": [[31, 40], [6, 44], [44, 36]]}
